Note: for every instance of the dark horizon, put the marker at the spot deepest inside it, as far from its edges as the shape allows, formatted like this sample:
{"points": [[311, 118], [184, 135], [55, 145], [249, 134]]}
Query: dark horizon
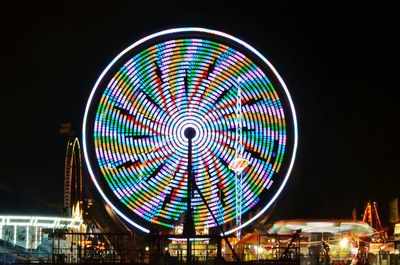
{"points": [[338, 61]]}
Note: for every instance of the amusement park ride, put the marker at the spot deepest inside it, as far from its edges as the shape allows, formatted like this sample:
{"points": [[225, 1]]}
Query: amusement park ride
{"points": [[371, 217], [73, 178], [189, 128]]}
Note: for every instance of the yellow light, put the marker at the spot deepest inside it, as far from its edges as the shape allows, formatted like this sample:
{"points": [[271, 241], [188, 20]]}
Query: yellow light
{"points": [[397, 229], [260, 250], [344, 242]]}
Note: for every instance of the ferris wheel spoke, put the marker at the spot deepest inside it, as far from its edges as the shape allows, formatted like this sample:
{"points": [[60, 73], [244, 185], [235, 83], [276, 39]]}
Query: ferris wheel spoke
{"points": [[163, 91], [140, 123], [186, 85], [155, 171], [139, 112], [217, 165], [171, 93], [151, 100], [163, 100], [205, 95], [162, 156], [150, 129], [196, 91], [227, 133], [222, 64], [151, 87], [154, 89], [225, 105], [143, 142], [124, 112], [254, 154], [210, 69], [137, 136], [158, 72], [221, 96], [208, 165], [253, 101], [244, 129], [127, 164], [219, 196]]}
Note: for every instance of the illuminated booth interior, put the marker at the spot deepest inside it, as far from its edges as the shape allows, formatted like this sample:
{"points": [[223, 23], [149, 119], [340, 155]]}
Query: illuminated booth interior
{"points": [[28, 231]]}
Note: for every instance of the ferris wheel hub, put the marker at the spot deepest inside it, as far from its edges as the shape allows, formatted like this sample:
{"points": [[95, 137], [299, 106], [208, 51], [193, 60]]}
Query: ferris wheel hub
{"points": [[190, 132]]}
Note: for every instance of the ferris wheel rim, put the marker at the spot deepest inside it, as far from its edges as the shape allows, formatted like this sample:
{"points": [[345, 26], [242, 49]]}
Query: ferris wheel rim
{"points": [[188, 30]]}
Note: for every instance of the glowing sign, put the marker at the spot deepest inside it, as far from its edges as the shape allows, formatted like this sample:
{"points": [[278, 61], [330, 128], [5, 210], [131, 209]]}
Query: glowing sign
{"points": [[140, 106]]}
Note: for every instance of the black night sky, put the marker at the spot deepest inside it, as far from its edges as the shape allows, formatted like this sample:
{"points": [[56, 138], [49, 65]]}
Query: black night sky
{"points": [[340, 63]]}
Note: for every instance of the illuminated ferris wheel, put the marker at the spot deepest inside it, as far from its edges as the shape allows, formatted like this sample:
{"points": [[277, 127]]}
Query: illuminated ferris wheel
{"points": [[198, 89]]}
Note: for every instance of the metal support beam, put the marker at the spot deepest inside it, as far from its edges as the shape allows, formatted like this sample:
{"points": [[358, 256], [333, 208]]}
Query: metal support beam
{"points": [[216, 221]]}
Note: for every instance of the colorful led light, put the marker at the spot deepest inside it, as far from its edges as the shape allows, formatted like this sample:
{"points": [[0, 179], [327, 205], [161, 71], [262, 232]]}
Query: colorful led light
{"points": [[134, 142]]}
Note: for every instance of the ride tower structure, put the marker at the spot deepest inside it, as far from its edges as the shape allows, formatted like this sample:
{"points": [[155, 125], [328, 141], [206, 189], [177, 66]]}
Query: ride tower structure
{"points": [[73, 178], [371, 217], [239, 163]]}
